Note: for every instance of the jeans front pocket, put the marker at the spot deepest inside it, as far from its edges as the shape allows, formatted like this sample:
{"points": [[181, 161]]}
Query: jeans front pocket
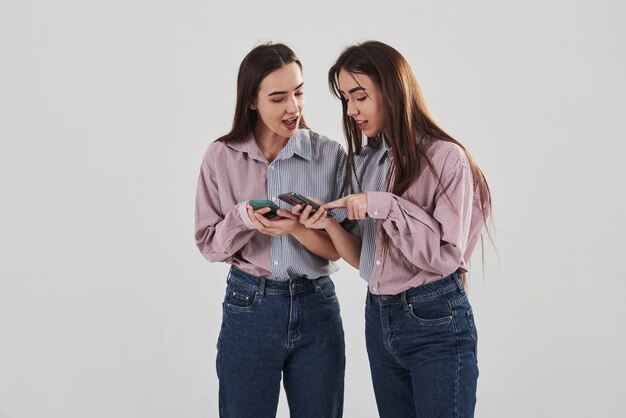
{"points": [[326, 289], [431, 312], [240, 298]]}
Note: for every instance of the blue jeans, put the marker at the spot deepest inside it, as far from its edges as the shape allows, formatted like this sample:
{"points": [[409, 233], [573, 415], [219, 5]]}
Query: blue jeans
{"points": [[271, 327], [422, 351]]}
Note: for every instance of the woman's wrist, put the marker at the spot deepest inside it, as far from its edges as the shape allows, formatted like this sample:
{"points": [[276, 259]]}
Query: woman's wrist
{"points": [[298, 229], [331, 225]]}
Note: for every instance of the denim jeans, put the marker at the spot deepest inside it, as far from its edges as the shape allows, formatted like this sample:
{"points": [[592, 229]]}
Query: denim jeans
{"points": [[271, 327], [421, 346]]}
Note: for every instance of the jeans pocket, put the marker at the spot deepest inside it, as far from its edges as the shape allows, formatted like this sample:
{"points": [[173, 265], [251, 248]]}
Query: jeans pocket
{"points": [[240, 298], [431, 312], [326, 290]]}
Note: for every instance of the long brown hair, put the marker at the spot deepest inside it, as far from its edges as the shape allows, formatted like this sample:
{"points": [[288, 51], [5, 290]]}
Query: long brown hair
{"points": [[408, 121], [257, 65]]}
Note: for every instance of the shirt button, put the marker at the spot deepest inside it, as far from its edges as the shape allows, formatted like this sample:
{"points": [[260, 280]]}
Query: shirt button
{"points": [[275, 262], [375, 289], [378, 262], [272, 167], [376, 212], [274, 199]]}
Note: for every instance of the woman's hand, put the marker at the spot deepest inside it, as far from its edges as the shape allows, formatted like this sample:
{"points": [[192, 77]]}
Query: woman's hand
{"points": [[285, 223], [315, 220], [355, 203]]}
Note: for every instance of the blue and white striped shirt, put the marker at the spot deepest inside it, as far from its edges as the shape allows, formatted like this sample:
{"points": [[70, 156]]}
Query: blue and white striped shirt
{"points": [[372, 167], [233, 173]]}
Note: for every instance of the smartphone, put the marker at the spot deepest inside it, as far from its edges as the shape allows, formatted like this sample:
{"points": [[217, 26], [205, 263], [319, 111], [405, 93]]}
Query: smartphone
{"points": [[259, 204], [297, 199]]}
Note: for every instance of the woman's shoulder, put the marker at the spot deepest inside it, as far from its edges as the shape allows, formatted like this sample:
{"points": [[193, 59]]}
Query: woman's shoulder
{"points": [[446, 156], [216, 147], [218, 152]]}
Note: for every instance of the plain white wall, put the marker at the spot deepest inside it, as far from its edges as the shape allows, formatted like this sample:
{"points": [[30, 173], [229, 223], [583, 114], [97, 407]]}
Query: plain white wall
{"points": [[107, 309]]}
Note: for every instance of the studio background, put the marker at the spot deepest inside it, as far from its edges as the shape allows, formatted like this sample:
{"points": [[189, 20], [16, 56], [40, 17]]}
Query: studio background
{"points": [[107, 309]]}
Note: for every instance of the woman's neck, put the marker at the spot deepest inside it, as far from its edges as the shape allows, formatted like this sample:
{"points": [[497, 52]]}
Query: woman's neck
{"points": [[268, 142]]}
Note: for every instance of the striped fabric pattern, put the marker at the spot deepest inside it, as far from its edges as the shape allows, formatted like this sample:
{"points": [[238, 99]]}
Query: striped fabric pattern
{"points": [[372, 168], [311, 165]]}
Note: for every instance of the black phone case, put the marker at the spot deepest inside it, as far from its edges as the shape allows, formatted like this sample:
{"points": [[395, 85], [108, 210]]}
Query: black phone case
{"points": [[297, 199]]}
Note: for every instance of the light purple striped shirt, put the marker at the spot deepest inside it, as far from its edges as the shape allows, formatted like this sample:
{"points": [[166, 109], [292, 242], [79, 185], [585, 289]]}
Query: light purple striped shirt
{"points": [[430, 236], [233, 173]]}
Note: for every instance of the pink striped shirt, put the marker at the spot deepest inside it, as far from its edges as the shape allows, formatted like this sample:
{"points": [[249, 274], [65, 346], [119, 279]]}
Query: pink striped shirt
{"points": [[431, 237]]}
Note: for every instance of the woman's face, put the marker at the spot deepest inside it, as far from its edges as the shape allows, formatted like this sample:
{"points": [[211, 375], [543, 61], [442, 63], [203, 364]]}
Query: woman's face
{"points": [[365, 102], [280, 100]]}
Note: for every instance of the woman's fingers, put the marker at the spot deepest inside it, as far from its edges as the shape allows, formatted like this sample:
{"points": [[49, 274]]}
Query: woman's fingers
{"points": [[339, 203], [317, 220], [305, 214], [284, 213], [296, 209], [263, 220]]}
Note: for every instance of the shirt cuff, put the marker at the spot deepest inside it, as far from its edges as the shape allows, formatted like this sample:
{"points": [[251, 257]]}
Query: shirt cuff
{"points": [[243, 214], [378, 204]]}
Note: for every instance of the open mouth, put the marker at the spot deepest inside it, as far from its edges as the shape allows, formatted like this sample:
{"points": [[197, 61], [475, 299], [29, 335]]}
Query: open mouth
{"points": [[291, 123], [362, 124]]}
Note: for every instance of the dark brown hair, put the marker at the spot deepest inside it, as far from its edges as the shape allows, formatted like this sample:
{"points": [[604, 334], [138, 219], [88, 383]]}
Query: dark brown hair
{"points": [[257, 65], [407, 117]]}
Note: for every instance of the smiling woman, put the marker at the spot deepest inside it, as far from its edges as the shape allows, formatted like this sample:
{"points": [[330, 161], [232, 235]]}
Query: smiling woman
{"points": [[279, 110], [281, 313], [368, 114], [422, 203]]}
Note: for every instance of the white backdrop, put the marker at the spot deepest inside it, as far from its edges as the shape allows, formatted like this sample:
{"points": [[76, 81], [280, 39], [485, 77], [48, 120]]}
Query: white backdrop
{"points": [[108, 310]]}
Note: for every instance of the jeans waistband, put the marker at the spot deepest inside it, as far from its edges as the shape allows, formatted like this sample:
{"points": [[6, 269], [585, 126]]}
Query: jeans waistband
{"points": [[265, 286], [422, 293]]}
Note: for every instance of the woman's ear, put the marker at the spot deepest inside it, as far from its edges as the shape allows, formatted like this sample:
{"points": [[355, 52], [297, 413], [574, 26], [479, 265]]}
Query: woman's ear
{"points": [[252, 106]]}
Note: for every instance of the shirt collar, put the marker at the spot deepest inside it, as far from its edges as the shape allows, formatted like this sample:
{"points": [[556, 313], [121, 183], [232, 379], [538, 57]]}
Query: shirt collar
{"points": [[380, 151], [247, 145], [299, 144]]}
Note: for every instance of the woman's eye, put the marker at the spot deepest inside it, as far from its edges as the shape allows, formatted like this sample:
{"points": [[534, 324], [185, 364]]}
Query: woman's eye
{"points": [[277, 100], [299, 93], [360, 99]]}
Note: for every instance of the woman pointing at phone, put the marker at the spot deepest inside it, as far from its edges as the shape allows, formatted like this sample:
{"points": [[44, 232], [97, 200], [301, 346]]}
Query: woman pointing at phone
{"points": [[422, 203], [280, 313]]}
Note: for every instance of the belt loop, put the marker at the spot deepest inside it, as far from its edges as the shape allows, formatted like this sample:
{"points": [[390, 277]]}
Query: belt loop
{"points": [[261, 291], [457, 280], [405, 304]]}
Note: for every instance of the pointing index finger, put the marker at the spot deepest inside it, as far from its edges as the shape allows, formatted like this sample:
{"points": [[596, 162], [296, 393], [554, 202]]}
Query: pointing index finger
{"points": [[339, 203]]}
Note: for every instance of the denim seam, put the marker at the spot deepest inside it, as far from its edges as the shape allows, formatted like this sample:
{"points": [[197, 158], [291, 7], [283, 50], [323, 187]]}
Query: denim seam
{"points": [[459, 301], [384, 328], [248, 308], [458, 361], [432, 295], [269, 291], [428, 322], [243, 284], [290, 336], [469, 314], [217, 367], [325, 299]]}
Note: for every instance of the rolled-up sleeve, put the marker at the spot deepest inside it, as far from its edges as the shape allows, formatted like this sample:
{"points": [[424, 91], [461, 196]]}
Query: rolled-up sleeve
{"points": [[434, 242], [218, 235]]}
